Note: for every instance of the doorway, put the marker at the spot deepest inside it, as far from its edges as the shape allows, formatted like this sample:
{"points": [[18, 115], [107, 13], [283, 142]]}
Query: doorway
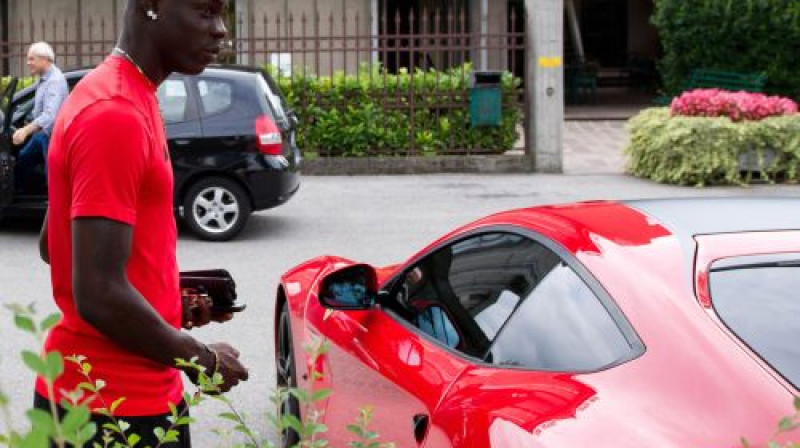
{"points": [[445, 25]]}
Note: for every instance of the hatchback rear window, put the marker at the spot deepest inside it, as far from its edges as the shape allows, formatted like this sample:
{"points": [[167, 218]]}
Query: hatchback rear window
{"points": [[173, 100], [275, 101], [758, 298], [216, 95]]}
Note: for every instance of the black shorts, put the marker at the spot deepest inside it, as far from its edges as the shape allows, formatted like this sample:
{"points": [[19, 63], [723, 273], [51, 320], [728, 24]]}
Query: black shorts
{"points": [[141, 426]]}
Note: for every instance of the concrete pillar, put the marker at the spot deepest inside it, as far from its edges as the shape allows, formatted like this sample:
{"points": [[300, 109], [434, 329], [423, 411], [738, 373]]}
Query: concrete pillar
{"points": [[545, 83]]}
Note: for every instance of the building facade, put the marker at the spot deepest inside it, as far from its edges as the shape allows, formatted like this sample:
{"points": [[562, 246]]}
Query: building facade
{"points": [[329, 36], [275, 30]]}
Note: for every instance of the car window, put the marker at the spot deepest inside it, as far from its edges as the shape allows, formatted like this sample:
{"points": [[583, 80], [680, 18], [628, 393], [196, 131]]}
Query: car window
{"points": [[463, 293], [275, 101], [173, 99], [560, 326], [435, 322], [760, 304], [216, 95]]}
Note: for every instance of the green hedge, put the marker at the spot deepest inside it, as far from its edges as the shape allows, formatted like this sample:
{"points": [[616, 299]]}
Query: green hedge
{"points": [[369, 114], [750, 36], [702, 151], [23, 82]]}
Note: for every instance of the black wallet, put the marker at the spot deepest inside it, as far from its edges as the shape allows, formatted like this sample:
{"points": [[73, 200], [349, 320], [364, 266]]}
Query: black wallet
{"points": [[218, 284]]}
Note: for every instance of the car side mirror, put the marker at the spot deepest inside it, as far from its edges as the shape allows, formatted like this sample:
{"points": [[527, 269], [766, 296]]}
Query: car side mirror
{"points": [[354, 288]]}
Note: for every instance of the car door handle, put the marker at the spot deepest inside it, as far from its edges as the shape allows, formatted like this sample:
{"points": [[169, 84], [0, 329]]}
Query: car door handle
{"points": [[183, 142], [421, 423]]}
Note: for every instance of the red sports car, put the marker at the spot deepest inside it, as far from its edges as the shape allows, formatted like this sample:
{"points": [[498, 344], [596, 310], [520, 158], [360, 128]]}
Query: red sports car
{"points": [[658, 323]]}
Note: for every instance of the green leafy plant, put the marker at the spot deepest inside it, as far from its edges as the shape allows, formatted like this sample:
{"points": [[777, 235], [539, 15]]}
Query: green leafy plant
{"points": [[370, 113], [702, 151], [74, 427], [786, 426], [749, 36], [367, 438], [21, 82]]}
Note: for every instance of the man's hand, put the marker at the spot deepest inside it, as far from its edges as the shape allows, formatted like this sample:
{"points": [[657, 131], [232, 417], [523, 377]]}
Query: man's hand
{"points": [[20, 136], [197, 310], [231, 369]]}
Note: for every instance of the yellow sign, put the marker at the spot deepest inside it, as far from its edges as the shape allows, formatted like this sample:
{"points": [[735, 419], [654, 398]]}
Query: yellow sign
{"points": [[553, 62]]}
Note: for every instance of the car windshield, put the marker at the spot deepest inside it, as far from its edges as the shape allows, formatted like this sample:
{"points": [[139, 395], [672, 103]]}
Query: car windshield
{"points": [[759, 299]]}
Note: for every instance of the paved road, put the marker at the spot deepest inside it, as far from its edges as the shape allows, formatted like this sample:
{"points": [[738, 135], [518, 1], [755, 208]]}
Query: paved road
{"points": [[594, 147], [374, 219]]}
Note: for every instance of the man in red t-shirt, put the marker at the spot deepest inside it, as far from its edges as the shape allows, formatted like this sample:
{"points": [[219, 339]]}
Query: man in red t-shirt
{"points": [[110, 235]]}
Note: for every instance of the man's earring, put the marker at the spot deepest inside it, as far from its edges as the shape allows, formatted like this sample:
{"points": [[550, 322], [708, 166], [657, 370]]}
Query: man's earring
{"points": [[152, 14]]}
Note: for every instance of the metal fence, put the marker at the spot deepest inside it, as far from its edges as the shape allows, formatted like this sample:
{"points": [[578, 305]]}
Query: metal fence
{"points": [[419, 44], [73, 49]]}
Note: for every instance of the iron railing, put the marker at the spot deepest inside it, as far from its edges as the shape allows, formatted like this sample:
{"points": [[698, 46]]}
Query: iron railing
{"points": [[422, 43]]}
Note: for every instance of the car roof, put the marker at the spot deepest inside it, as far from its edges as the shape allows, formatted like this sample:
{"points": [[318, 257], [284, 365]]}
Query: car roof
{"points": [[638, 223], [237, 71], [211, 69], [704, 216]]}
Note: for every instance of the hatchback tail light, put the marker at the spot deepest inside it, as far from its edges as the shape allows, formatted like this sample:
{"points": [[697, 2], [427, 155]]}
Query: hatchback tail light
{"points": [[268, 136]]}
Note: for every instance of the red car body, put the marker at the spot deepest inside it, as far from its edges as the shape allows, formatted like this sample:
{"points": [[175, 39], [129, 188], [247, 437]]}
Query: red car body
{"points": [[694, 383]]}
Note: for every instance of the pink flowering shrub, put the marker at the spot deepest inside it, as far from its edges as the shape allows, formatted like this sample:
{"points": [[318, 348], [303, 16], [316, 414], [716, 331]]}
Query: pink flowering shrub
{"points": [[738, 106]]}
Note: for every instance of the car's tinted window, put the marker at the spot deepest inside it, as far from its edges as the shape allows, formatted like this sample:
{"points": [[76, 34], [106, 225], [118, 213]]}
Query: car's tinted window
{"points": [[216, 95], [561, 326], [435, 321], [760, 303], [173, 99], [270, 90], [229, 106], [463, 293]]}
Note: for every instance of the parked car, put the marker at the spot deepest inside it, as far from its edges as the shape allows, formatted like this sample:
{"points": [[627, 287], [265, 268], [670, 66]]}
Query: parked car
{"points": [[669, 323], [231, 138]]}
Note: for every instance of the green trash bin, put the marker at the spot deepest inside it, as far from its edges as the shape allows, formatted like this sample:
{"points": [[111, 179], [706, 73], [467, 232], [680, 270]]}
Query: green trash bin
{"points": [[486, 99]]}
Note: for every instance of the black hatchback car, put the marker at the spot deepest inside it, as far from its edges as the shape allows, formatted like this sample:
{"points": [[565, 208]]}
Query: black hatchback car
{"points": [[231, 138]]}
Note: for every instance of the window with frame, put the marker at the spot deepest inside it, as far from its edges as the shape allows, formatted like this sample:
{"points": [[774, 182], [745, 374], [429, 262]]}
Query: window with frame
{"points": [[276, 103], [756, 297], [216, 96], [463, 293], [173, 100], [561, 326]]}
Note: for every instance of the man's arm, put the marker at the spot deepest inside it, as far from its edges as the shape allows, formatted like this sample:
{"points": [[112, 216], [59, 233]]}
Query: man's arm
{"points": [[105, 299], [54, 97], [22, 134]]}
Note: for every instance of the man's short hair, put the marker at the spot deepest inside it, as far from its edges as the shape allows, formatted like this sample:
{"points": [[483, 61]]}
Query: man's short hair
{"points": [[43, 50]]}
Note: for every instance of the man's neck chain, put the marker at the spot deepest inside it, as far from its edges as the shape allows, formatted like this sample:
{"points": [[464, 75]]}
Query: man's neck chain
{"points": [[125, 55]]}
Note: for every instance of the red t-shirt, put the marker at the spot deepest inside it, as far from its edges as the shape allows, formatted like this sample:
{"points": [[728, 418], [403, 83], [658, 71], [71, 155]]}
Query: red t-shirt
{"points": [[108, 158]]}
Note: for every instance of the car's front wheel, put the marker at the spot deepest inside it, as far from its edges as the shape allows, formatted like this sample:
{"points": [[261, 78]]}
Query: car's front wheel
{"points": [[287, 377], [216, 209]]}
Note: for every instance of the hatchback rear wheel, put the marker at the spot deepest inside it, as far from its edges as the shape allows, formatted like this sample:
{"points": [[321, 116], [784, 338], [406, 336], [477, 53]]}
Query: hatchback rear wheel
{"points": [[216, 209]]}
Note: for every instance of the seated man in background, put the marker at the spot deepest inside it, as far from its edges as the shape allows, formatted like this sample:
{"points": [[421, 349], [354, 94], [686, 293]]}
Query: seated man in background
{"points": [[51, 91]]}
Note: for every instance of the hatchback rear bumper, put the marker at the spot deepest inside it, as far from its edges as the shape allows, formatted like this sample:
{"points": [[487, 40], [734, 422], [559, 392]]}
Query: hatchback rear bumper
{"points": [[275, 183]]}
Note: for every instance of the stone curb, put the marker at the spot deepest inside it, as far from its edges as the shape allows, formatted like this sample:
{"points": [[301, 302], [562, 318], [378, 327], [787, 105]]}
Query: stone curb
{"points": [[475, 164]]}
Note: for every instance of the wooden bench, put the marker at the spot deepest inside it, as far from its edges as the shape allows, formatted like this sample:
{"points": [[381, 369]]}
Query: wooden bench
{"points": [[710, 79]]}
